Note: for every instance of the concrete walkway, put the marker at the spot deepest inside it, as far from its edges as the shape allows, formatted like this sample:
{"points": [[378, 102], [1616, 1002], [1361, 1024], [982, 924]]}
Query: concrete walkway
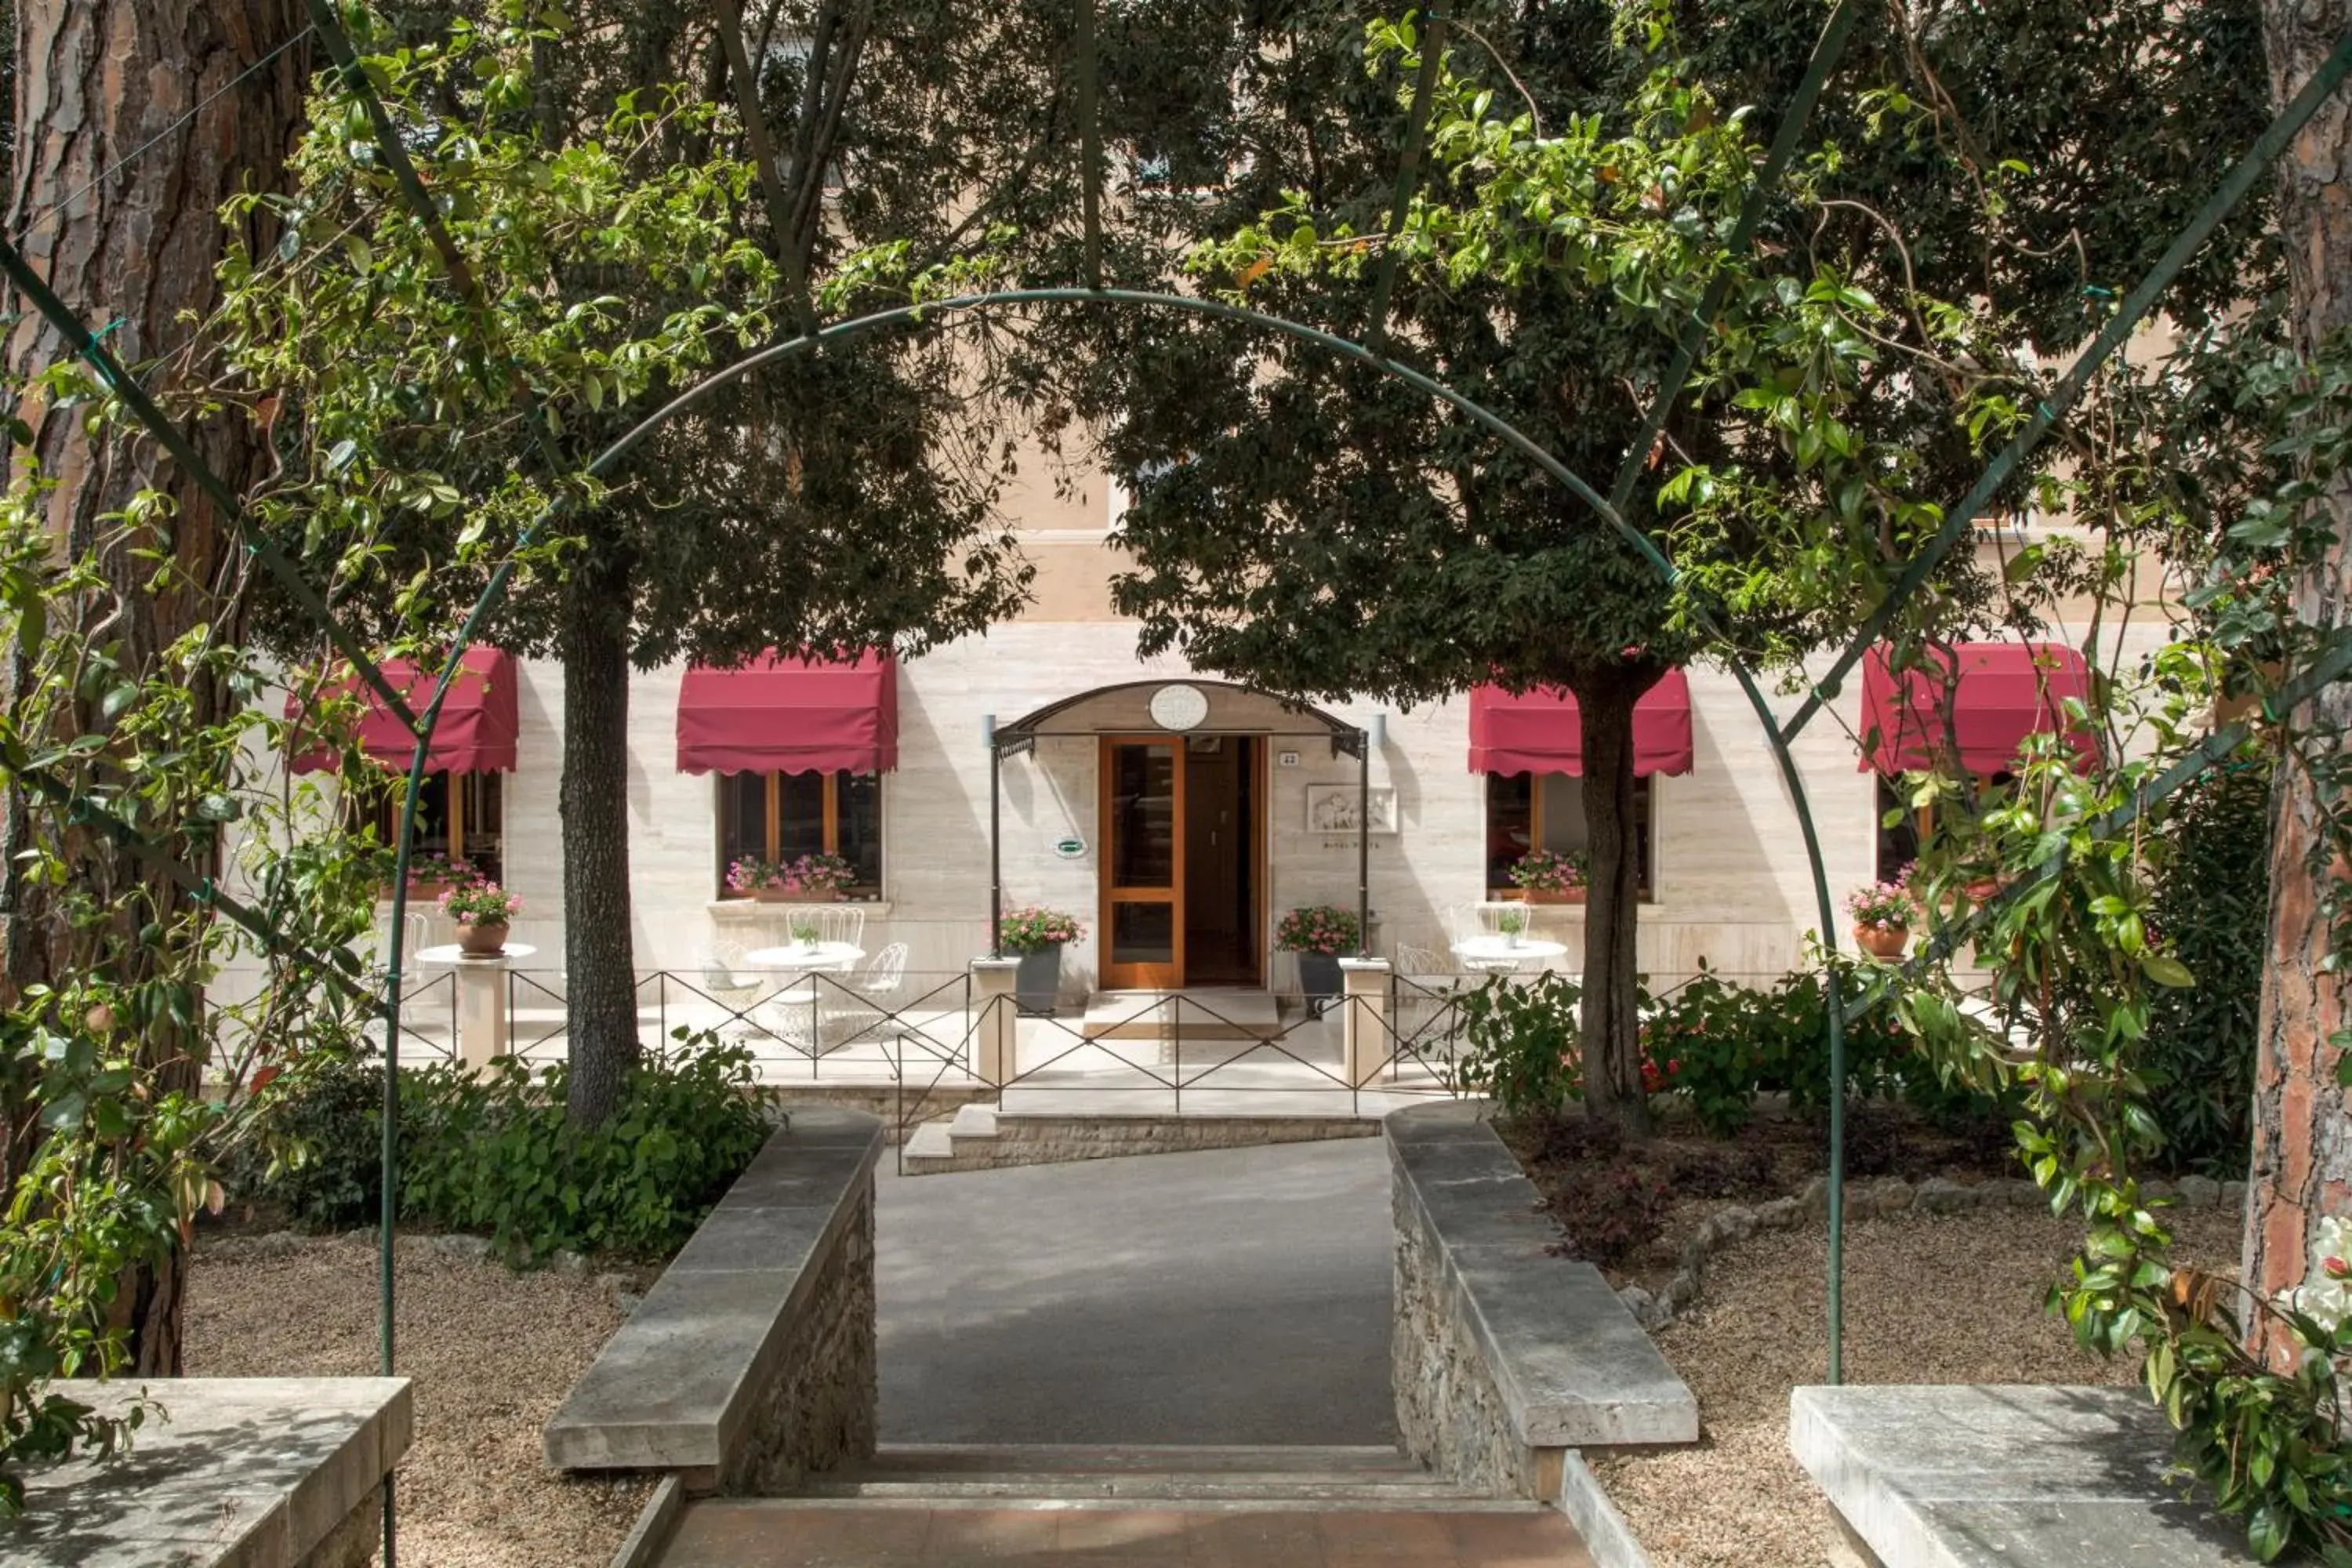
{"points": [[1235, 1297]]}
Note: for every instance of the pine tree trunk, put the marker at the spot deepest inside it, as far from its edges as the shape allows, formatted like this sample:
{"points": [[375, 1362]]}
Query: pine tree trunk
{"points": [[597, 951], [1610, 1020], [2301, 1121], [127, 235]]}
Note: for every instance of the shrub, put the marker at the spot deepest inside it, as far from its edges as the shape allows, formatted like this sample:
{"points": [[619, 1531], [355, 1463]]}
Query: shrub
{"points": [[2211, 902], [494, 1153], [317, 1148], [1520, 1044], [1621, 1210]]}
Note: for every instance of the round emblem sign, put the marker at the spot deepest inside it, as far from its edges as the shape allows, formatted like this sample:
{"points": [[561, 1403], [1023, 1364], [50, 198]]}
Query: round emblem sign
{"points": [[1179, 707]]}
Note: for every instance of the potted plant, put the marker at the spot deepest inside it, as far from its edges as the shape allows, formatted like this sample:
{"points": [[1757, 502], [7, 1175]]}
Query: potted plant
{"points": [[1882, 919], [1037, 935], [1511, 923], [1319, 934], [1550, 876], [818, 879], [758, 878], [805, 932], [483, 911], [434, 873]]}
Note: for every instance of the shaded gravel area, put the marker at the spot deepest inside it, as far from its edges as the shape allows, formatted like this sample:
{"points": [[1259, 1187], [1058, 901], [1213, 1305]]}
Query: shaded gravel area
{"points": [[493, 1353], [1928, 1299]]}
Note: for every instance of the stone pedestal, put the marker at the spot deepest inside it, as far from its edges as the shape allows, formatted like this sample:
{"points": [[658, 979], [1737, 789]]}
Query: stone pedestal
{"points": [[481, 1011], [1367, 1039], [995, 1017]]}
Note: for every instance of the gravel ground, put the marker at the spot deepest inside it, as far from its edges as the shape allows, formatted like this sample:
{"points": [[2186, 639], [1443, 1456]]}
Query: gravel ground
{"points": [[493, 1353], [1737, 1499]]}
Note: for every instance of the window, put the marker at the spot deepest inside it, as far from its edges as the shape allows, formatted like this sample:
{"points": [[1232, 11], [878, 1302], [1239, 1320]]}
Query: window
{"points": [[1898, 845], [461, 815], [782, 817], [1524, 810]]}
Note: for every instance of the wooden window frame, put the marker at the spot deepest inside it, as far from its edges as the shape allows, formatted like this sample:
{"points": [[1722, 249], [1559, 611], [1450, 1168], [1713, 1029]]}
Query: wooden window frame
{"points": [[772, 845], [1646, 802], [383, 806]]}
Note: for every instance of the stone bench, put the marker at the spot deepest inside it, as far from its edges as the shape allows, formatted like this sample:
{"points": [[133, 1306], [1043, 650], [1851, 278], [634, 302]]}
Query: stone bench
{"points": [[1506, 1358], [239, 1472], [751, 1363], [1942, 1477]]}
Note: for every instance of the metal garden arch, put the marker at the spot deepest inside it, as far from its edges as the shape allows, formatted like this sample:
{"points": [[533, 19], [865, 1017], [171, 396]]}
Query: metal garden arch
{"points": [[1608, 509]]}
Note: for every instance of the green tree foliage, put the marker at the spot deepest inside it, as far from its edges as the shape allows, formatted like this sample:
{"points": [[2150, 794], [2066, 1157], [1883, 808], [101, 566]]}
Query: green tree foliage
{"points": [[844, 501], [2212, 904], [1314, 528]]}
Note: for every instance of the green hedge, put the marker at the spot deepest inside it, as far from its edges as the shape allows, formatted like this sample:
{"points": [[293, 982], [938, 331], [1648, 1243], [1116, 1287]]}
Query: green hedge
{"points": [[493, 1153]]}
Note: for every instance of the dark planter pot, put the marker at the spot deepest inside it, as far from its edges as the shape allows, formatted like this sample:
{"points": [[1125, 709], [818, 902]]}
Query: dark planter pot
{"points": [[1318, 977], [1038, 984]]}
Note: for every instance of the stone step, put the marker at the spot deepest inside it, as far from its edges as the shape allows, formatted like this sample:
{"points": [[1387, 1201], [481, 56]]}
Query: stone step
{"points": [[973, 1120], [1338, 1487], [1170, 1458], [1130, 1501], [931, 1140]]}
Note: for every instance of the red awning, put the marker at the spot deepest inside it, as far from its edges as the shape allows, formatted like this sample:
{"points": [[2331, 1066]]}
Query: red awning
{"points": [[479, 719], [1539, 732], [1997, 694], [791, 716]]}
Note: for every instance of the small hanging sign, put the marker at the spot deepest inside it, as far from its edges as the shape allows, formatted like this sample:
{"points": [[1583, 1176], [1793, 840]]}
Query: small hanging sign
{"points": [[1070, 849]]}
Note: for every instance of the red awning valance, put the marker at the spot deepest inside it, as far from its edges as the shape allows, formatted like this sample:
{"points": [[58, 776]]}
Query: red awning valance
{"points": [[479, 719], [1539, 732], [1998, 693], [790, 715]]}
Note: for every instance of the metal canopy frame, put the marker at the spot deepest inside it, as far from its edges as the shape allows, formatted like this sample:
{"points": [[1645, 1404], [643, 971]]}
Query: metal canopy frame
{"points": [[1608, 510]]}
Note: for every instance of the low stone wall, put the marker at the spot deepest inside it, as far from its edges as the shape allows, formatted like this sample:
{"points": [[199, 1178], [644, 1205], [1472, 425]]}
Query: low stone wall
{"points": [[241, 1472], [751, 1363], [918, 1101], [1505, 1357], [1028, 1140]]}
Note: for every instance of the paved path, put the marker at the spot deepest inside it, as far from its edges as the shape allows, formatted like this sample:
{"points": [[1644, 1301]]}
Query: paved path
{"points": [[1239, 1295]]}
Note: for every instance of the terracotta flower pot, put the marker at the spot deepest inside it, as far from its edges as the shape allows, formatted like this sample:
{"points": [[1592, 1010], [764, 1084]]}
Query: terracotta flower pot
{"points": [[818, 896], [482, 939], [1883, 941], [419, 887], [1555, 895], [770, 895], [1984, 888]]}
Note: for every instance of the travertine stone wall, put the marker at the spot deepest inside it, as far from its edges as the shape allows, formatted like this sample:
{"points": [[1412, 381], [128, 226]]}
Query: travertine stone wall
{"points": [[1056, 1140]]}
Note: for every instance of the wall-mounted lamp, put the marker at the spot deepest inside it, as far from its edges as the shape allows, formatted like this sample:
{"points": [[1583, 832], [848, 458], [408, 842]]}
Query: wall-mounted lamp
{"points": [[1376, 732], [988, 731]]}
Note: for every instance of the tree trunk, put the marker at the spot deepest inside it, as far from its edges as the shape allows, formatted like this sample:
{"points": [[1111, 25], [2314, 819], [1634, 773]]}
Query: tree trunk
{"points": [[1611, 1025], [128, 234], [2303, 1134], [597, 950]]}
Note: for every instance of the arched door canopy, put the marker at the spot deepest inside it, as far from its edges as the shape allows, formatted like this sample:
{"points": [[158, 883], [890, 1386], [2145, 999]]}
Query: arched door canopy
{"points": [[1125, 709]]}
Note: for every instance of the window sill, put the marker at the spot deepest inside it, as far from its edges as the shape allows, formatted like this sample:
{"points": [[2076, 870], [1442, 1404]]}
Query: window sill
{"points": [[1513, 895], [745, 911]]}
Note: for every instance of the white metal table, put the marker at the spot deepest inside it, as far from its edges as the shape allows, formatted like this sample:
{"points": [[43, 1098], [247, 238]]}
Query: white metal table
{"points": [[828, 957], [1499, 952], [482, 996]]}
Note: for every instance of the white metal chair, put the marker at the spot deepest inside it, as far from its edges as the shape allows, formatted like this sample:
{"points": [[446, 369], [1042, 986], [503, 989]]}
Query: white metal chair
{"points": [[1484, 919], [834, 922], [1424, 987], [860, 1007], [728, 980]]}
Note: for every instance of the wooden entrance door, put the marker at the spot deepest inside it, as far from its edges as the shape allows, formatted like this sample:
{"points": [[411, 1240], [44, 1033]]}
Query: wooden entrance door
{"points": [[1142, 932], [1182, 865]]}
